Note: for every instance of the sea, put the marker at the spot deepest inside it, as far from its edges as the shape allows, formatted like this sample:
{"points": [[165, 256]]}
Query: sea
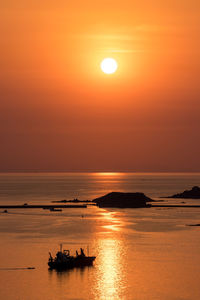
{"points": [[141, 254]]}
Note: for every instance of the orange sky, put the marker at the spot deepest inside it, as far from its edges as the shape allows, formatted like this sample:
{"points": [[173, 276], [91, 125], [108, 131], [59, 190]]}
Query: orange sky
{"points": [[60, 112]]}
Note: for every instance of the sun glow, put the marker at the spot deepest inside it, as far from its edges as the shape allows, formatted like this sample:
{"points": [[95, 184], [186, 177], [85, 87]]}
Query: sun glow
{"points": [[109, 65]]}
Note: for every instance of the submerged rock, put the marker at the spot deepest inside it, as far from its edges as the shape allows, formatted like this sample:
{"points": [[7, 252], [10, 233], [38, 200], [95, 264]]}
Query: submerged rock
{"points": [[194, 193], [123, 200]]}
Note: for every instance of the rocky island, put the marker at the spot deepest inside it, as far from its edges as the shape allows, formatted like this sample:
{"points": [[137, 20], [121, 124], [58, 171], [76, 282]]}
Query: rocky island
{"points": [[194, 193], [123, 200]]}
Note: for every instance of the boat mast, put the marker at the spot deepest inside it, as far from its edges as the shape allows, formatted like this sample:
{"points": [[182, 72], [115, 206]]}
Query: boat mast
{"points": [[60, 247]]}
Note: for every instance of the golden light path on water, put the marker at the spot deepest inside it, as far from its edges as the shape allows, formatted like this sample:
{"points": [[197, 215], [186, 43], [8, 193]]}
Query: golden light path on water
{"points": [[109, 174], [111, 273], [111, 278], [112, 222]]}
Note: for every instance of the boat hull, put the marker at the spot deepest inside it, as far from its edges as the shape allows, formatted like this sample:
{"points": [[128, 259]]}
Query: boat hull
{"points": [[77, 262]]}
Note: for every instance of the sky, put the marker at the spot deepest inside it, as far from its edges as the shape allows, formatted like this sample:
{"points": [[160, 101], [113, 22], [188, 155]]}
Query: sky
{"points": [[60, 112]]}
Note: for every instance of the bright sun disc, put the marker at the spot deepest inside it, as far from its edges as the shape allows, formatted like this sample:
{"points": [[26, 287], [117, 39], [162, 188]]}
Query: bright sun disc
{"points": [[109, 65]]}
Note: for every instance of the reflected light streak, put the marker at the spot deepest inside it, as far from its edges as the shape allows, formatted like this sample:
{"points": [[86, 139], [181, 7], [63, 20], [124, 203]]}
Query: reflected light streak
{"points": [[112, 227], [108, 174], [110, 281], [114, 223]]}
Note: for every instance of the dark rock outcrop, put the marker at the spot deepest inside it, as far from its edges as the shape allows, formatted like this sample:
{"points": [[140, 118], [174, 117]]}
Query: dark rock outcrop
{"points": [[194, 193], [123, 200]]}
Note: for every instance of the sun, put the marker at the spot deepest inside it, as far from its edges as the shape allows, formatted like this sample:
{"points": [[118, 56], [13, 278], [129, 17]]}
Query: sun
{"points": [[109, 65]]}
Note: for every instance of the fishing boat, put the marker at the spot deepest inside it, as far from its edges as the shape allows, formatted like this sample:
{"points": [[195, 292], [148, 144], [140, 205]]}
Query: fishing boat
{"points": [[64, 260]]}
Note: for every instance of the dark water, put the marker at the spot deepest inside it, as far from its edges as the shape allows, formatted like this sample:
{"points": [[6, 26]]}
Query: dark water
{"points": [[141, 253]]}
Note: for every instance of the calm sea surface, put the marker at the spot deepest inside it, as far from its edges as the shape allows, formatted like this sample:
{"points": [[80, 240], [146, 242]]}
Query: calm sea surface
{"points": [[142, 254]]}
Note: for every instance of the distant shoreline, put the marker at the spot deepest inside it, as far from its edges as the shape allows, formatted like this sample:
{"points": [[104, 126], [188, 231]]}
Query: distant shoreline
{"points": [[43, 206]]}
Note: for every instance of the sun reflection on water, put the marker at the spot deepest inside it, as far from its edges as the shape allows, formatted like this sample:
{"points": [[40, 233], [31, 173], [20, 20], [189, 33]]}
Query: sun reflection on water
{"points": [[111, 258], [110, 282], [113, 223], [109, 174]]}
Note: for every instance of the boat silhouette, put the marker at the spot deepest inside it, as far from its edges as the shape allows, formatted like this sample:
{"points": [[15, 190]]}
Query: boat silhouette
{"points": [[63, 260]]}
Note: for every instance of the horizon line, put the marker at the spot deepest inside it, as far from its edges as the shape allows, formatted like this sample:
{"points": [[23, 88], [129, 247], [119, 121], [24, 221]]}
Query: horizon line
{"points": [[98, 171]]}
